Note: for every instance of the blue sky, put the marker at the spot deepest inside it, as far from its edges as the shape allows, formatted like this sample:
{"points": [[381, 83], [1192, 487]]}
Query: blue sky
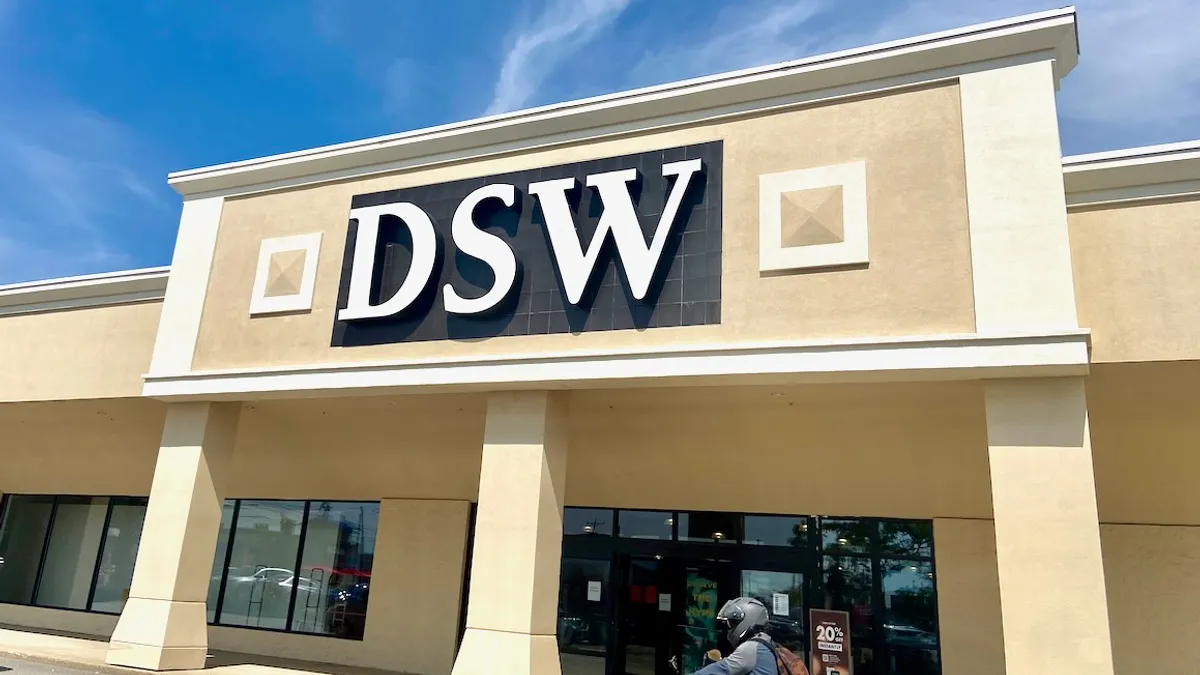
{"points": [[99, 100]]}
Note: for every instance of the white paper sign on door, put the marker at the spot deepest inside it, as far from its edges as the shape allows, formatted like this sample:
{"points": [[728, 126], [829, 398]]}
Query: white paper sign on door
{"points": [[664, 602], [593, 591], [779, 604]]}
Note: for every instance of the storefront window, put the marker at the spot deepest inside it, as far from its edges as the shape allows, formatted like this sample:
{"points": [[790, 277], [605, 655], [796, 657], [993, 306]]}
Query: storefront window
{"points": [[118, 555], [70, 562], [782, 593], [584, 599], [335, 570], [724, 528], [22, 538], [646, 524], [587, 522], [848, 535], [294, 566], [258, 580], [848, 587], [777, 531], [218, 568], [69, 552]]}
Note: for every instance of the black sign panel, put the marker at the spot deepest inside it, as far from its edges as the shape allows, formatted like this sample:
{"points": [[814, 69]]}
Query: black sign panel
{"points": [[685, 289]]}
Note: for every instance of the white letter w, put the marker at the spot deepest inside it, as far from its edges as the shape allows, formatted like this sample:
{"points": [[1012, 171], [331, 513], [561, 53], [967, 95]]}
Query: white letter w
{"points": [[619, 217]]}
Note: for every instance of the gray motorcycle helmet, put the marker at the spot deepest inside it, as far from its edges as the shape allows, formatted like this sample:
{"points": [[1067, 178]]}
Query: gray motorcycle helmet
{"points": [[742, 618]]}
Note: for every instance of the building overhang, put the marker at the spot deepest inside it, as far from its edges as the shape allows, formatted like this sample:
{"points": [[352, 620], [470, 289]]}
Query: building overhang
{"points": [[1133, 175], [942, 357], [93, 290], [1047, 35]]}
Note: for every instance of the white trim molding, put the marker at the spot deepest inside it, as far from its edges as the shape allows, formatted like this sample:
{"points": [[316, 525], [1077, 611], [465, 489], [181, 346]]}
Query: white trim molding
{"points": [[92, 290], [301, 300], [1133, 175], [1049, 35], [775, 256], [944, 357]]}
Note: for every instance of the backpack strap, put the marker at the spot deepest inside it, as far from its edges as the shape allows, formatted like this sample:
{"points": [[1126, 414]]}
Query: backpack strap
{"points": [[779, 667]]}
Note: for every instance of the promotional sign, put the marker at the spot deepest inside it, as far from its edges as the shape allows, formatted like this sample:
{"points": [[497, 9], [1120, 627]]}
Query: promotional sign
{"points": [[830, 640], [610, 244]]}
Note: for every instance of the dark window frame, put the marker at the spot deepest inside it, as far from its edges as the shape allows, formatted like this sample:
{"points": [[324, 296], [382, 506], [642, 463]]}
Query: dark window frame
{"points": [[229, 543], [113, 500], [808, 559]]}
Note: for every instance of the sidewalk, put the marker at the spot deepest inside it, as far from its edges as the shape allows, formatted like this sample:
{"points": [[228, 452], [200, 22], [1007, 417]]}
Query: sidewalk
{"points": [[88, 653]]}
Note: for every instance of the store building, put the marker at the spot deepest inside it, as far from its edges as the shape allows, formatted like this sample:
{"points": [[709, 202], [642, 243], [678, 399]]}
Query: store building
{"points": [[539, 391]]}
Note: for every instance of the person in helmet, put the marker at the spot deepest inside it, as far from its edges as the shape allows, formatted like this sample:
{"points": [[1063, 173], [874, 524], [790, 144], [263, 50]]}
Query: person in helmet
{"points": [[744, 620]]}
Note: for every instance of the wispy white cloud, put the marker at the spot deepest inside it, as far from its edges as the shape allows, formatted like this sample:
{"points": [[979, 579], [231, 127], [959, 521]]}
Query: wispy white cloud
{"points": [[559, 30], [66, 173], [1138, 79], [741, 35]]}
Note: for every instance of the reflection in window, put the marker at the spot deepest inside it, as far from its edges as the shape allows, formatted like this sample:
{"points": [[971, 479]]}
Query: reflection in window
{"points": [[335, 571], [118, 555], [583, 616], [70, 560], [261, 587], [724, 528], [646, 524], [218, 567], [56, 551], [776, 531], [258, 581], [850, 535], [782, 593], [22, 537], [848, 589], [908, 539], [587, 521], [910, 609]]}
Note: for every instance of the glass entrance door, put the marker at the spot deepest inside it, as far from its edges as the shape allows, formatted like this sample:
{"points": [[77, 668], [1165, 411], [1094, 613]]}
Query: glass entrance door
{"points": [[644, 633], [702, 599]]}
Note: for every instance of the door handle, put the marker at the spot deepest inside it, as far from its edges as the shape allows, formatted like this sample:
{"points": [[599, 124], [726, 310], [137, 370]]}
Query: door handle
{"points": [[674, 661]]}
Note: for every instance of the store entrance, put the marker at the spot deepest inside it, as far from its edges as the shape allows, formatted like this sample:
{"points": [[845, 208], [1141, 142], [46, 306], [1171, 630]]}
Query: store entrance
{"points": [[668, 613]]}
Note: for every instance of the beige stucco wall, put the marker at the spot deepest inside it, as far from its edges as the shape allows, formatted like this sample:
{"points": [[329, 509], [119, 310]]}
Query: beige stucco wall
{"points": [[968, 593], [80, 447], [95, 352], [1145, 435], [416, 447], [1136, 279], [419, 558], [1153, 588], [910, 450], [918, 281]]}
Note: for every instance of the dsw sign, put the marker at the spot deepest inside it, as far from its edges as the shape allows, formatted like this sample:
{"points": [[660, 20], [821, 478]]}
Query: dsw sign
{"points": [[574, 257]]}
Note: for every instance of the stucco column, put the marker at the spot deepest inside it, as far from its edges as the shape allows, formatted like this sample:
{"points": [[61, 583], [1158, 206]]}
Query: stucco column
{"points": [[513, 606], [1052, 593], [164, 625]]}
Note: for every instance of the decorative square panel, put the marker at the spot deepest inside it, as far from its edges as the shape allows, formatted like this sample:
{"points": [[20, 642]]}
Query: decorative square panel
{"points": [[811, 218], [286, 274]]}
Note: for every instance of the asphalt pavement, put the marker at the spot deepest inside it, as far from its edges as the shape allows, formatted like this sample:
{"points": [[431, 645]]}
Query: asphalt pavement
{"points": [[10, 665]]}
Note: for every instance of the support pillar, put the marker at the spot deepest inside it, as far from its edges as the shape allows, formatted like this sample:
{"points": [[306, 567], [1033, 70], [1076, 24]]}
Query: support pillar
{"points": [[513, 606], [1052, 592], [164, 625]]}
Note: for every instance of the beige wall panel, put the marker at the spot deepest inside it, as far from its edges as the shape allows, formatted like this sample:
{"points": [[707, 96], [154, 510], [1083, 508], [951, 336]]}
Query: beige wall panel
{"points": [[1137, 279], [1152, 592], [418, 447], [1145, 435], [412, 621], [97, 352], [968, 589], [913, 450], [918, 281], [79, 623], [80, 447]]}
